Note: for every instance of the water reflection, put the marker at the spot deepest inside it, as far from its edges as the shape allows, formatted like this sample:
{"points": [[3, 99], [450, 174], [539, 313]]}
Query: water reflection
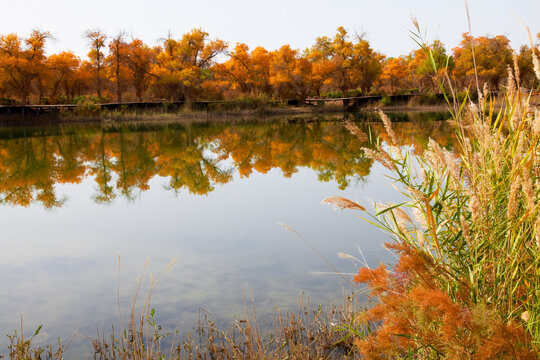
{"points": [[60, 268], [122, 160]]}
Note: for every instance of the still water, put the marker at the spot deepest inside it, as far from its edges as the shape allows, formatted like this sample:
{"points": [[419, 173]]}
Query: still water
{"points": [[87, 210]]}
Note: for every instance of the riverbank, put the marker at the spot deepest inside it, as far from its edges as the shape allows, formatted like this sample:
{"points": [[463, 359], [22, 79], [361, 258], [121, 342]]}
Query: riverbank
{"points": [[182, 115]]}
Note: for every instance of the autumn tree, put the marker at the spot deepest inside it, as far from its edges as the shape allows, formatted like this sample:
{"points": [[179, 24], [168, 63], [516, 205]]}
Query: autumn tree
{"points": [[63, 67], [290, 74], [139, 61], [324, 65], [21, 64], [492, 56], [260, 58], [394, 73], [96, 39], [83, 79], [525, 65], [182, 65], [116, 62], [421, 63], [248, 72], [238, 70], [356, 64], [366, 65]]}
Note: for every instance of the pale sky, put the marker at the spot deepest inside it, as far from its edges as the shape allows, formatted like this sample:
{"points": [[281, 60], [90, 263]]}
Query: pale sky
{"points": [[270, 23]]}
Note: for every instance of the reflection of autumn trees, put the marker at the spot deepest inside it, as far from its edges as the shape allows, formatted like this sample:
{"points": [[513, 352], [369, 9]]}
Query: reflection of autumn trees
{"points": [[122, 161]]}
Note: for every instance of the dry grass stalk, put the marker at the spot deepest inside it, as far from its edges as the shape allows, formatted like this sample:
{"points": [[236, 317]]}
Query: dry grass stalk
{"points": [[388, 127], [341, 203], [477, 219], [381, 156], [355, 130]]}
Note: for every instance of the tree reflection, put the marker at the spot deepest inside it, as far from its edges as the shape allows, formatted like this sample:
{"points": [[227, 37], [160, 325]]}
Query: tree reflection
{"points": [[122, 160]]}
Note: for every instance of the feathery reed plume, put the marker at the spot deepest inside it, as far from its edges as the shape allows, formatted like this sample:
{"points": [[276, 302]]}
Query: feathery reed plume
{"points": [[536, 123], [417, 195], [483, 96], [288, 228], [342, 255], [341, 203], [434, 147], [420, 217], [451, 164], [527, 187], [534, 49], [388, 126], [536, 63], [512, 196], [420, 237], [399, 213], [511, 82], [537, 230], [172, 262], [355, 130], [474, 207], [381, 156], [516, 70]]}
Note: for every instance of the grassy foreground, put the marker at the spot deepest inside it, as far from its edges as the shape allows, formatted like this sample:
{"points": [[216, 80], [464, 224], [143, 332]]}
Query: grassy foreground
{"points": [[467, 284], [306, 333]]}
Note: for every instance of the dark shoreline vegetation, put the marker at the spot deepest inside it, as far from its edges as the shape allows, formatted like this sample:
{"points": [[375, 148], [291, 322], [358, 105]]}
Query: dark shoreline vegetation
{"points": [[182, 116]]}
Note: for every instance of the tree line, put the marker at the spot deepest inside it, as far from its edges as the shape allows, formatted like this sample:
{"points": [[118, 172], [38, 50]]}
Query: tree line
{"points": [[196, 67]]}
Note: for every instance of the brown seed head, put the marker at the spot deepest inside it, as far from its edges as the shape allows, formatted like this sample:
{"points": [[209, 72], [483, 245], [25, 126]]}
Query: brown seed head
{"points": [[341, 203]]}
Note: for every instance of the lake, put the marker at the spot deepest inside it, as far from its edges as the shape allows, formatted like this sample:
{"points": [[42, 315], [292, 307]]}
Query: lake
{"points": [[87, 210]]}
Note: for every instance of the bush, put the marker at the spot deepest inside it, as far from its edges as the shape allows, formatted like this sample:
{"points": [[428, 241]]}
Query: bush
{"points": [[467, 284], [87, 105], [332, 94], [385, 101], [354, 93], [429, 99]]}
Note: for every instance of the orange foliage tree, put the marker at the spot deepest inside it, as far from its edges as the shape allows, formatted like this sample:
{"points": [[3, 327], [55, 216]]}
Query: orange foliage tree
{"points": [[182, 65], [21, 65], [116, 64], [492, 56], [394, 73], [63, 67], [196, 67], [139, 61], [96, 39], [290, 74]]}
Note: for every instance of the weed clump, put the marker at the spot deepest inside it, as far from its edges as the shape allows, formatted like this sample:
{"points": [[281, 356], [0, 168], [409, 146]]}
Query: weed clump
{"points": [[467, 284]]}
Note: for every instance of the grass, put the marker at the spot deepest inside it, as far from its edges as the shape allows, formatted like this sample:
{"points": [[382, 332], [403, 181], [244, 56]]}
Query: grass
{"points": [[467, 284], [307, 333]]}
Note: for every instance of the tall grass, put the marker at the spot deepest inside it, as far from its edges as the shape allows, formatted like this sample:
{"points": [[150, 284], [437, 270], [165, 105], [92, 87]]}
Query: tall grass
{"points": [[307, 333], [468, 281]]}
